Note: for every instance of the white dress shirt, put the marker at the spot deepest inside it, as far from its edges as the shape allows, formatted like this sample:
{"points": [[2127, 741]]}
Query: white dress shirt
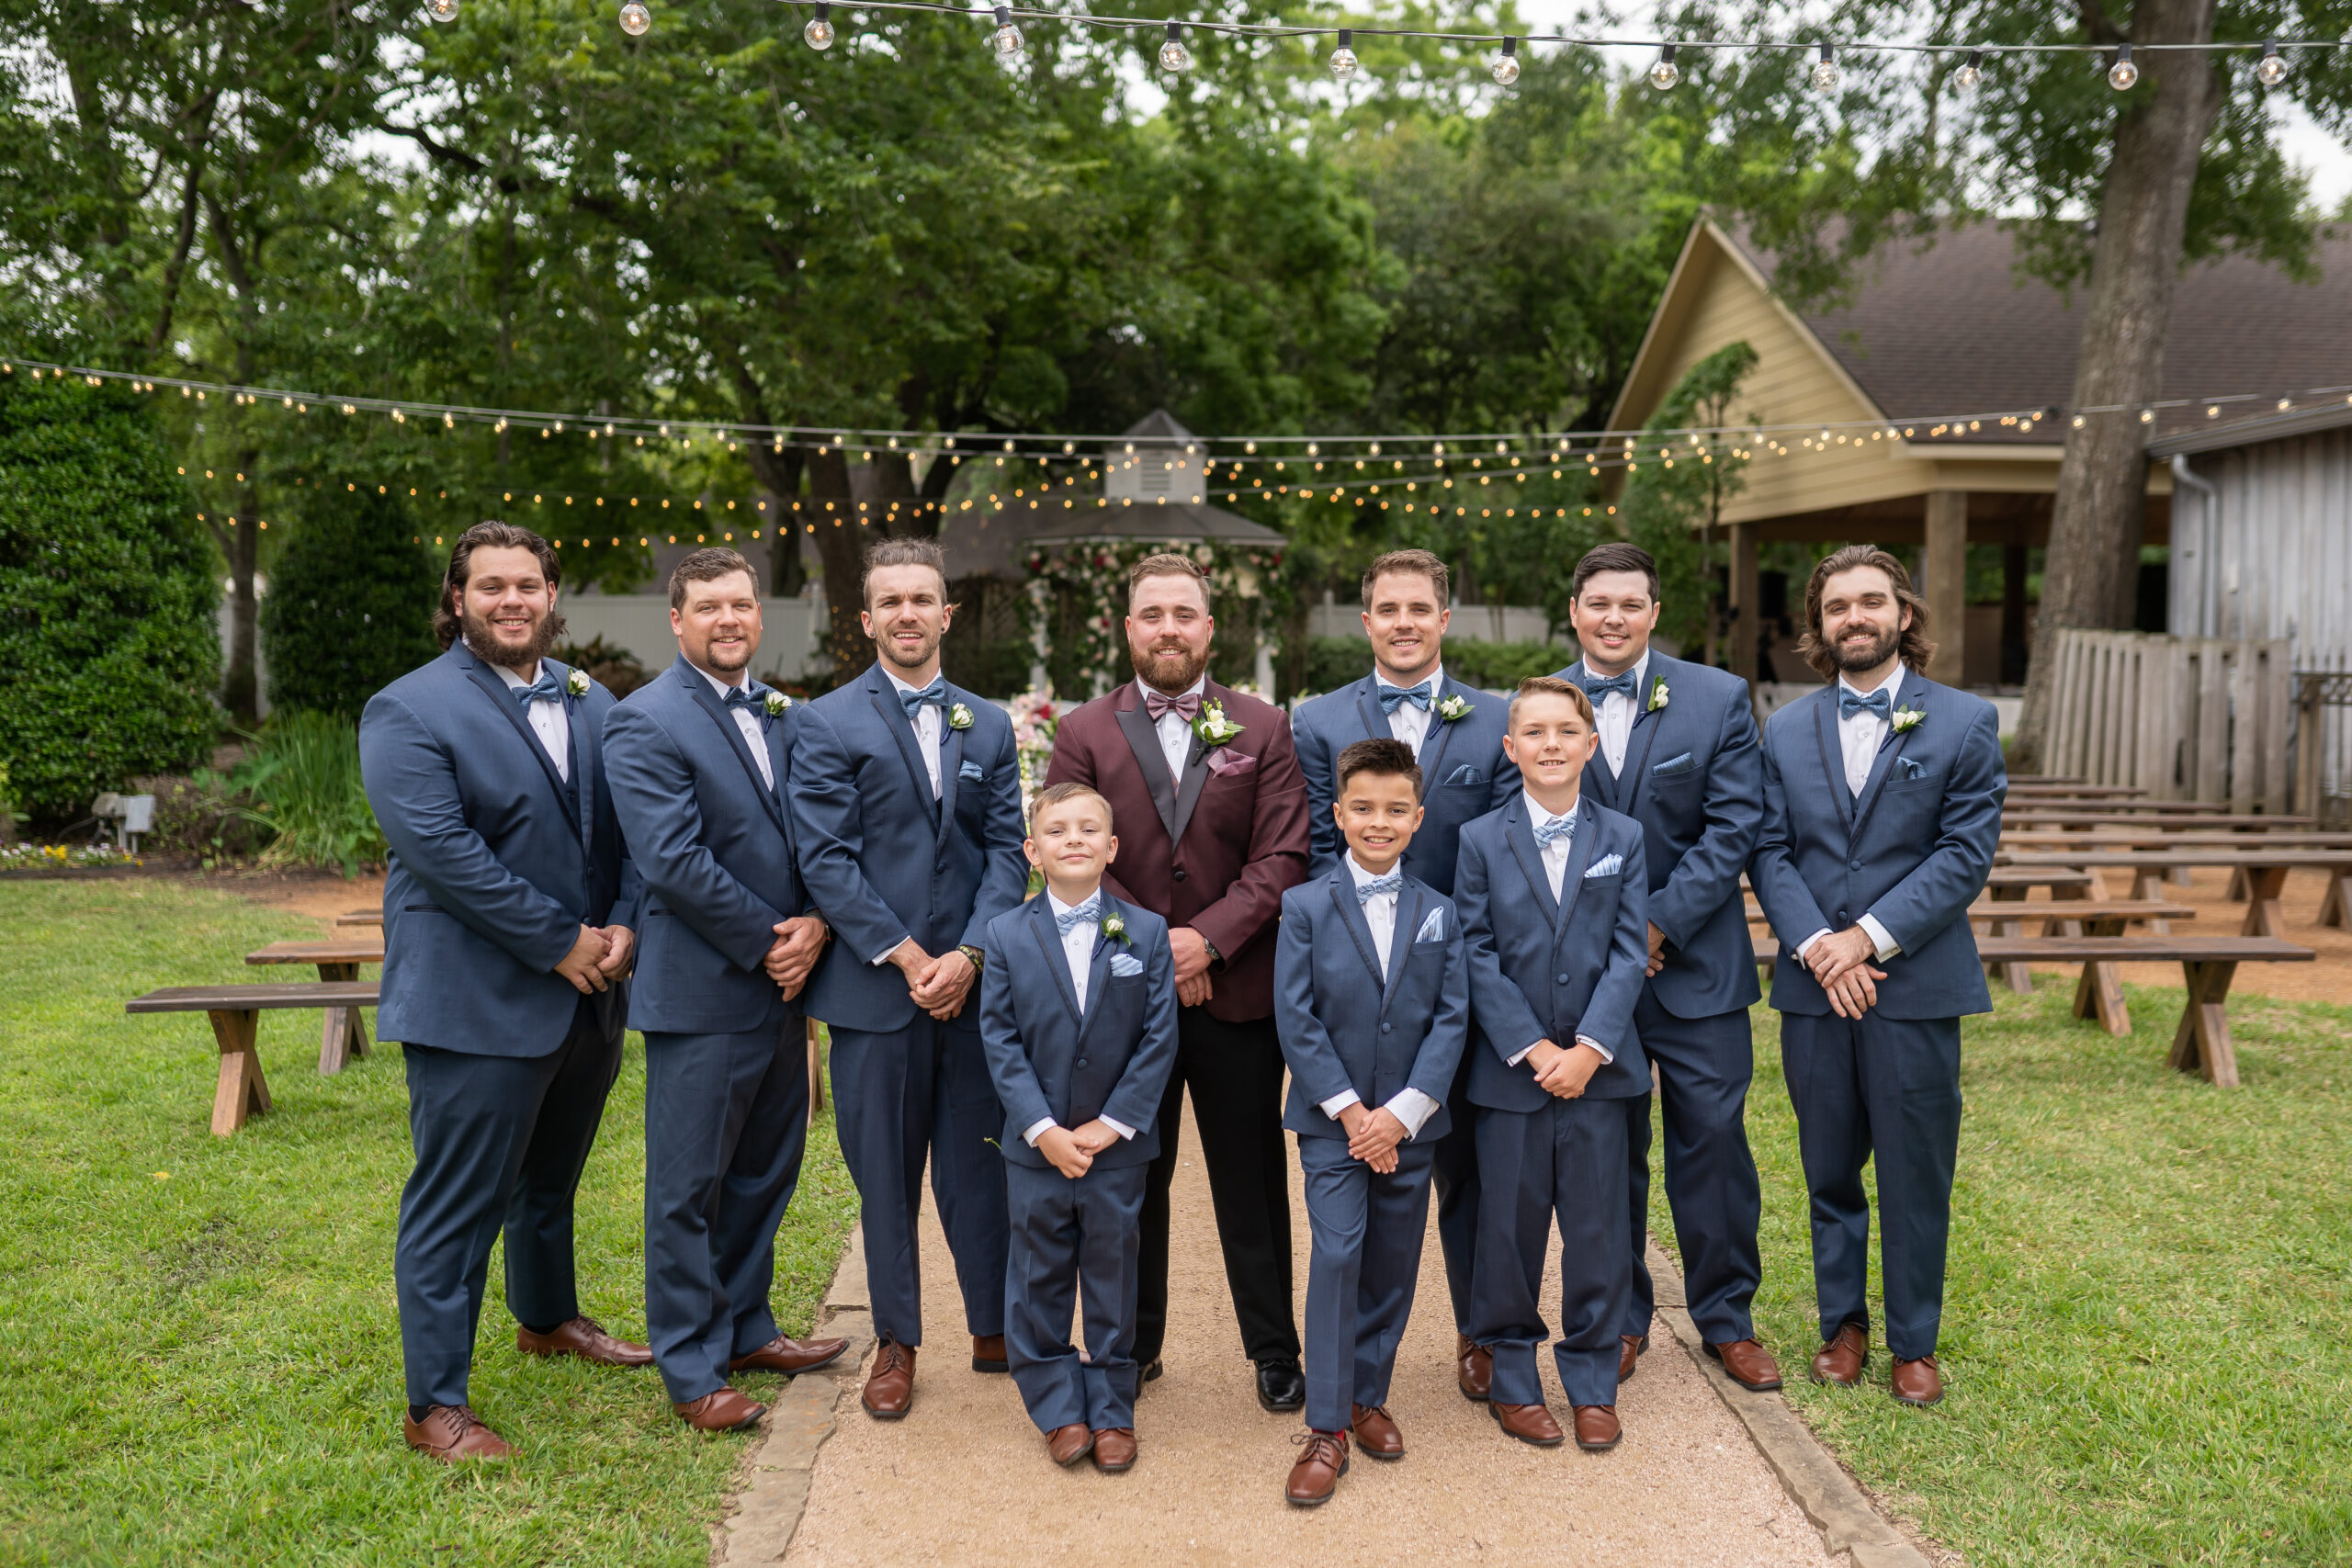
{"points": [[1858, 739], [1175, 733], [747, 720], [1406, 722], [1614, 717], [931, 731], [548, 721], [1556, 867], [1409, 1106], [1077, 952]]}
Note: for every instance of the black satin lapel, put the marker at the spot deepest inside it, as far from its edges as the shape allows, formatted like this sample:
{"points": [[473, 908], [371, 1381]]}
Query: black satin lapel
{"points": [[1833, 765], [1582, 843], [1637, 772], [1375, 723], [951, 767], [1144, 742], [1520, 831], [584, 777], [893, 715], [505, 702], [1188, 795], [1400, 940], [733, 734], [1098, 977], [1883, 764], [1350, 907], [1433, 740], [1049, 943]]}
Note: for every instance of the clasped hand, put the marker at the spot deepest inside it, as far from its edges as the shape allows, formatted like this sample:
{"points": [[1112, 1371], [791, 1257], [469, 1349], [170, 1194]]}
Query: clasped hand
{"points": [[1189, 951], [938, 985], [1563, 1073], [799, 941], [1373, 1136], [1841, 962], [599, 955], [1071, 1150]]}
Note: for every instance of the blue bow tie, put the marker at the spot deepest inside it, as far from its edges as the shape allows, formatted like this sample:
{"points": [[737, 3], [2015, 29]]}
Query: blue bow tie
{"points": [[1597, 686], [1878, 702], [936, 693], [1390, 696], [1391, 885], [546, 689], [1559, 828], [751, 697], [1085, 913]]}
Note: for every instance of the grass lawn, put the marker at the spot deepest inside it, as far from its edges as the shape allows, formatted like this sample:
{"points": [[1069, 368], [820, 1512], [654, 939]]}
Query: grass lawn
{"points": [[2147, 1334], [198, 1345]]}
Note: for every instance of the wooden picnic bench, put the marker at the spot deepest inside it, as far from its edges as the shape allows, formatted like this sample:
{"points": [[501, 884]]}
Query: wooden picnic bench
{"points": [[2266, 875], [360, 917], [2038, 814], [345, 1033], [235, 1011]]}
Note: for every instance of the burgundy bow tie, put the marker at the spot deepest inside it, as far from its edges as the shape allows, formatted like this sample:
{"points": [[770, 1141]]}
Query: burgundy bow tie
{"points": [[1189, 704]]}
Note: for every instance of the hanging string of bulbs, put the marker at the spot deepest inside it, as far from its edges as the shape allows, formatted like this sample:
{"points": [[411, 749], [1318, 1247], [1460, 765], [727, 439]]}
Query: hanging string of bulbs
{"points": [[1825, 74]]}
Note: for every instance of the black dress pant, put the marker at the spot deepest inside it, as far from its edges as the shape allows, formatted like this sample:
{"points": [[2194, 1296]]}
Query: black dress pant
{"points": [[1235, 1071]]}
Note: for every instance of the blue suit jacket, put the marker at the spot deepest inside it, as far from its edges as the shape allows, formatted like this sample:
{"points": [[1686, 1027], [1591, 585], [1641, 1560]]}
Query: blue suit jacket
{"points": [[1694, 780], [1046, 1060], [1913, 851], [1342, 1026], [496, 861], [882, 859], [1463, 775], [714, 847], [1545, 970]]}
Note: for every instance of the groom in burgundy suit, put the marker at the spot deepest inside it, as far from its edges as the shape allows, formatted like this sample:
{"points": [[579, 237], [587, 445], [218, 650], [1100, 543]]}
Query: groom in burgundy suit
{"points": [[1210, 809]]}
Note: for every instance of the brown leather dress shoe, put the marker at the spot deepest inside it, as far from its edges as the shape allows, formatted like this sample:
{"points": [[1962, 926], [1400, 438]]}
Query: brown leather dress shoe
{"points": [[1629, 1349], [1529, 1423], [1068, 1445], [890, 1386], [452, 1432], [1919, 1381], [785, 1354], [1376, 1433], [1597, 1429], [988, 1353], [1748, 1364], [1842, 1360], [1114, 1450], [586, 1339], [721, 1410], [1317, 1474], [1474, 1368]]}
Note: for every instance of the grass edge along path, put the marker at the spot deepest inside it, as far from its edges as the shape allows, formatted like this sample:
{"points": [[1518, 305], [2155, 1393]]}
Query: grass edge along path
{"points": [[198, 1335]]}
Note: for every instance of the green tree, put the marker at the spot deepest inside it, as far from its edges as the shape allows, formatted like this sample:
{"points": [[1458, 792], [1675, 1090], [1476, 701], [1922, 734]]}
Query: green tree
{"points": [[1674, 497], [109, 645], [350, 604]]}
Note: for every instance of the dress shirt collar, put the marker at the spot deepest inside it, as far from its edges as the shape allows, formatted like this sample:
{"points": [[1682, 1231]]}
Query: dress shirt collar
{"points": [[742, 682], [1641, 671], [515, 683], [1434, 680], [902, 686], [1537, 817], [1197, 688], [1056, 907], [1891, 686], [1360, 876]]}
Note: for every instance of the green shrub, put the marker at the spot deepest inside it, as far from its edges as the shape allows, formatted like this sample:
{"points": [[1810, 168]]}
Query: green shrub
{"points": [[110, 649], [350, 604], [1334, 661], [304, 780], [614, 668]]}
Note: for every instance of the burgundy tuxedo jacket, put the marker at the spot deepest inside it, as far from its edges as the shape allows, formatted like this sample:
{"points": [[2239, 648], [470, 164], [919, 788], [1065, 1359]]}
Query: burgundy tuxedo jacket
{"points": [[1215, 850]]}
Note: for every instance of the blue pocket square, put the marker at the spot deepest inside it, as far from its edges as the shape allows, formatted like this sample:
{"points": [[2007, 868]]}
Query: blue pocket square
{"points": [[1683, 764], [970, 770], [1912, 769], [1432, 929], [1468, 774], [1124, 964], [1607, 866]]}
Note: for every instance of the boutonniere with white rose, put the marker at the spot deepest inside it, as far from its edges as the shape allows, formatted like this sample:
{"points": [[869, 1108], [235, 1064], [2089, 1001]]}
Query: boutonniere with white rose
{"points": [[1908, 719], [778, 705], [1115, 928], [1213, 727], [576, 683], [959, 717], [1453, 708], [1660, 695]]}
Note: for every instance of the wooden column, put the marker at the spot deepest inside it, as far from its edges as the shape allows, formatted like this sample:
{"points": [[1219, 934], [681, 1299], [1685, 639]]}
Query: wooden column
{"points": [[1947, 590], [1746, 626]]}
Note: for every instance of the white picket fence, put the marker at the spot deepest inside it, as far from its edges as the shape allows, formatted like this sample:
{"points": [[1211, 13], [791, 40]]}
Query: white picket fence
{"points": [[2183, 718]]}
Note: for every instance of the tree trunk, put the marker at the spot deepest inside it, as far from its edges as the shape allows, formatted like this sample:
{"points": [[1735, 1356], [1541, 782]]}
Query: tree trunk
{"points": [[841, 546], [241, 686], [2093, 566]]}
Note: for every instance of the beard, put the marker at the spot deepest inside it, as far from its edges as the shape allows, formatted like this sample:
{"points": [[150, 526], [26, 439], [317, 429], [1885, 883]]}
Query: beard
{"points": [[716, 659], [887, 646], [489, 650], [1170, 669], [1850, 655]]}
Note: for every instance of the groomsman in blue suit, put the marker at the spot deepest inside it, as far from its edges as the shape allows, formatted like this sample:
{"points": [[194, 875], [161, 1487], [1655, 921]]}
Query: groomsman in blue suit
{"points": [[1372, 994], [508, 911], [699, 756], [906, 812], [1678, 754], [1077, 1014], [1554, 898], [1455, 732], [1881, 812]]}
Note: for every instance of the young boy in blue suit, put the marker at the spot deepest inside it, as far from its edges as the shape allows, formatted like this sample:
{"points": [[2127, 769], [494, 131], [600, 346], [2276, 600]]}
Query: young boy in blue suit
{"points": [[1552, 891], [1077, 1018], [1372, 998]]}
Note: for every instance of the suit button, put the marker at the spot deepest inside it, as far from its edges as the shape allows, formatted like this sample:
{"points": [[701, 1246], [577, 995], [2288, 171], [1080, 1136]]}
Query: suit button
{"points": [[1564, 979], [1841, 916], [1856, 864], [1178, 873], [1387, 1028], [1081, 1061]]}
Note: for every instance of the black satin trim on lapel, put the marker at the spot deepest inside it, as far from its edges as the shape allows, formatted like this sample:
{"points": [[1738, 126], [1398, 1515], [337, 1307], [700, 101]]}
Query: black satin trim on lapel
{"points": [[583, 779], [1098, 976], [711, 702], [1520, 831], [1433, 738], [951, 766], [1639, 772], [1375, 723], [885, 697], [1144, 742], [1188, 794], [1890, 748], [1582, 843], [502, 699], [1400, 940], [1833, 755], [1350, 907], [1050, 942]]}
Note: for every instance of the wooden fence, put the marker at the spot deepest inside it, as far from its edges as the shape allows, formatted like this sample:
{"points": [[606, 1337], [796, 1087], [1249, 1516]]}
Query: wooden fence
{"points": [[2183, 718]]}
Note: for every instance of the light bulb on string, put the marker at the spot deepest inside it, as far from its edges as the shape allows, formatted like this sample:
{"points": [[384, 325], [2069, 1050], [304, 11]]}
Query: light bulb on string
{"points": [[1970, 72], [1006, 39], [1173, 55], [819, 33], [1664, 74], [1506, 66], [636, 19], [2270, 70], [2122, 75], [1825, 74], [1343, 59], [441, 10]]}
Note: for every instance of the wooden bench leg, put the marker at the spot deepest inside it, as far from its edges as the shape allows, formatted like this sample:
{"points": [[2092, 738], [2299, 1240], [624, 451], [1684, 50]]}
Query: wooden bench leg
{"points": [[342, 1036], [2237, 885], [242, 1091], [2201, 1044], [2264, 885], [2019, 976], [2336, 910], [2098, 993], [816, 1074], [2150, 885]]}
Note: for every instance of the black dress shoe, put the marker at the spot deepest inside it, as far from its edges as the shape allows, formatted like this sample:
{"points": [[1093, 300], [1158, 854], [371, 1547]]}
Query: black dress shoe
{"points": [[1152, 1369], [1282, 1387]]}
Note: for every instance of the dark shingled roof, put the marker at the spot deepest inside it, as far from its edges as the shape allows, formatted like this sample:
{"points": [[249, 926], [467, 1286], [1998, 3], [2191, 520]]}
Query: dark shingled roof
{"points": [[1957, 329]]}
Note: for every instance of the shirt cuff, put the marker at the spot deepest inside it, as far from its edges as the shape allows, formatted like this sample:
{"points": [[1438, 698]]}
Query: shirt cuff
{"points": [[1607, 1055], [1523, 1050], [1119, 1127], [1806, 945], [1341, 1101], [1413, 1107], [883, 957], [1035, 1131], [1883, 938]]}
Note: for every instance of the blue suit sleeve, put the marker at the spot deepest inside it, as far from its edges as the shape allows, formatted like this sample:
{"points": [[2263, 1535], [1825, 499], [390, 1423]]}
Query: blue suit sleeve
{"points": [[1316, 761], [1608, 1015], [1017, 1088], [829, 835], [1508, 1023], [1941, 887], [412, 787], [1135, 1102], [653, 795], [1307, 1044], [1449, 1035], [1708, 873], [1004, 875], [1508, 782], [1788, 902]]}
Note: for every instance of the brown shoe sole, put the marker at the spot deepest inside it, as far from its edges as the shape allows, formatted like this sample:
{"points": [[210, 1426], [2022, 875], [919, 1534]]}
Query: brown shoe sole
{"points": [[1471, 1394], [1375, 1453], [979, 1365], [1119, 1469], [898, 1414], [1316, 1502], [1496, 1412], [1917, 1404], [1603, 1447]]}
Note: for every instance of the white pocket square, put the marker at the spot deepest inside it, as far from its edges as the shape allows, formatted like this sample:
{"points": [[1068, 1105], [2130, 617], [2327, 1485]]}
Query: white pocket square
{"points": [[1607, 866], [1124, 964], [1432, 929]]}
